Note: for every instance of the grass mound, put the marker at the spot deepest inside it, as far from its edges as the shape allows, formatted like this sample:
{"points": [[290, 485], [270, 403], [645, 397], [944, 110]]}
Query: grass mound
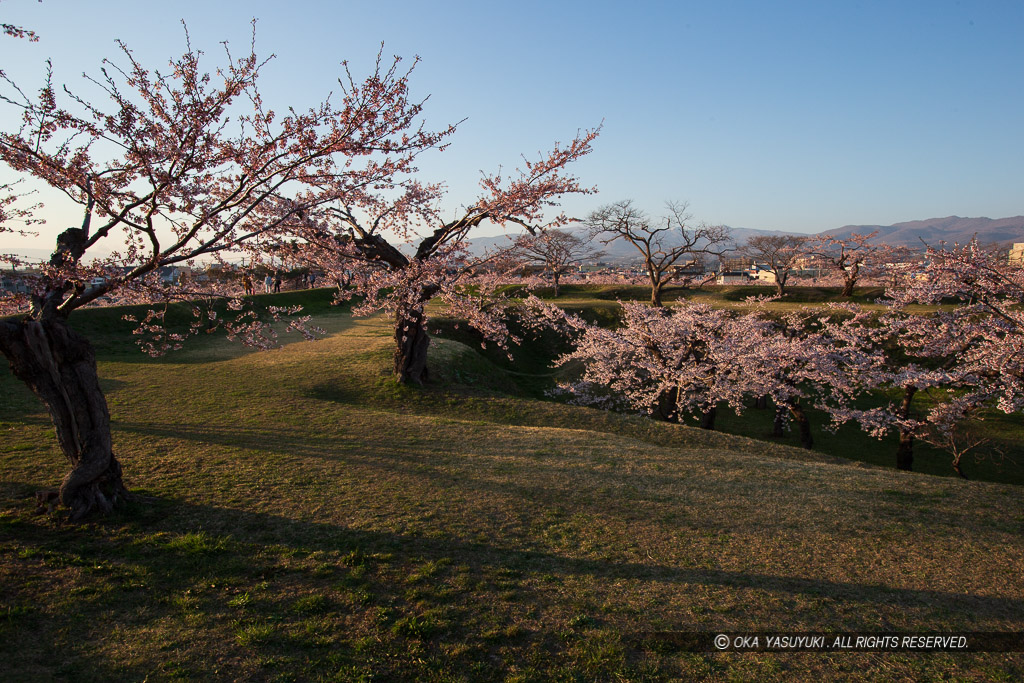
{"points": [[300, 517]]}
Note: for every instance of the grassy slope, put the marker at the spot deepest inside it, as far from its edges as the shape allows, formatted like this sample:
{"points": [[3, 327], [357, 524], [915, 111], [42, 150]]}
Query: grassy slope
{"points": [[1000, 459], [303, 517]]}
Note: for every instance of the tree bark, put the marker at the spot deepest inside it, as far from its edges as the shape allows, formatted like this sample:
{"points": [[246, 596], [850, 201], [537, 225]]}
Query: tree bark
{"points": [[803, 424], [956, 466], [779, 422], [411, 343], [59, 366], [668, 405], [848, 288], [761, 402], [707, 418], [656, 295], [905, 450]]}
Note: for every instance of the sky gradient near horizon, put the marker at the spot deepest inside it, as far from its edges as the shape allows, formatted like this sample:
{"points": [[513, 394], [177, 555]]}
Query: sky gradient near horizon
{"points": [[801, 116]]}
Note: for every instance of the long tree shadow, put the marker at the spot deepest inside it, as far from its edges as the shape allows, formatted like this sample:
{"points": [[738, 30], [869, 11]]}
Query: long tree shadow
{"points": [[548, 473], [215, 569]]}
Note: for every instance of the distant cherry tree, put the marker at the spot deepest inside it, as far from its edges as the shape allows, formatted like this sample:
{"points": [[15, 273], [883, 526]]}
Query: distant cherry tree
{"points": [[558, 252], [967, 354], [847, 257], [168, 167], [778, 254], [688, 358], [665, 245], [665, 362]]}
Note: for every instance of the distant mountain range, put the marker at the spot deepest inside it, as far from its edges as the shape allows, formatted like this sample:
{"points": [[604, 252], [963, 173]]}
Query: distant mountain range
{"points": [[1000, 231], [913, 234], [934, 230]]}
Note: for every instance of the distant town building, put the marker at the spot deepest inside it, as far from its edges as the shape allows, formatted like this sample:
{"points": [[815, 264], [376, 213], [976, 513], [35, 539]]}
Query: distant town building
{"points": [[17, 282], [732, 277], [735, 264], [693, 267], [1017, 254], [761, 274]]}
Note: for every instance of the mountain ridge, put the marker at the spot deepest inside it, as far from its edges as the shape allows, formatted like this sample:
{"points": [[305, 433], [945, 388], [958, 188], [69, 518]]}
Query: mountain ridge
{"points": [[913, 234]]}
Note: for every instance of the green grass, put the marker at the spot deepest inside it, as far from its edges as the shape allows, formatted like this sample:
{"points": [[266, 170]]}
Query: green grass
{"points": [[301, 517], [1001, 459]]}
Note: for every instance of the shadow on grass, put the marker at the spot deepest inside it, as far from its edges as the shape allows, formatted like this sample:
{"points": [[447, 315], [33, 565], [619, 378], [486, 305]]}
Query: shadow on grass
{"points": [[312, 598], [554, 478], [231, 542]]}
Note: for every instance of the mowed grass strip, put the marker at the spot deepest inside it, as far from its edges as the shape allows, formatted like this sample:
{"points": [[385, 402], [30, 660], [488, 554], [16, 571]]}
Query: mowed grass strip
{"points": [[300, 517]]}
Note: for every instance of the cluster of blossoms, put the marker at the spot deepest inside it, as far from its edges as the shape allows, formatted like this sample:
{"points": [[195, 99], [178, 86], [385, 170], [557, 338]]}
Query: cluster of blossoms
{"points": [[391, 246], [965, 351], [689, 358], [168, 168]]}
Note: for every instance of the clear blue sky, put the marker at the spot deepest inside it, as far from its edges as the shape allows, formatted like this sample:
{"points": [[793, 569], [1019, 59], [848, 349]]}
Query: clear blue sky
{"points": [[798, 116]]}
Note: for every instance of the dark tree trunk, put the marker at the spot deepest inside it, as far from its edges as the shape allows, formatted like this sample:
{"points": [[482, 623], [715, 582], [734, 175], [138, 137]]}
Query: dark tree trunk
{"points": [[656, 295], [60, 367], [781, 276], [850, 279], [411, 343], [802, 423], [779, 422], [707, 418], [905, 450], [761, 402], [654, 277], [957, 468], [556, 278], [668, 405]]}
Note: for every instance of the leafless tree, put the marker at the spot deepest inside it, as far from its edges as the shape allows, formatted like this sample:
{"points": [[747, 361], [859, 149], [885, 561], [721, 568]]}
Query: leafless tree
{"points": [[847, 257], [557, 251], [663, 245], [778, 254]]}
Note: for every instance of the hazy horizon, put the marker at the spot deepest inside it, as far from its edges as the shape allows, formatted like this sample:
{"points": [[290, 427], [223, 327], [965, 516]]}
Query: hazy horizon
{"points": [[794, 116]]}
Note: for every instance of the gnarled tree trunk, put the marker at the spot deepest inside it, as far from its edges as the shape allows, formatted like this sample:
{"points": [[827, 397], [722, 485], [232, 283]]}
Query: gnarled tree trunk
{"points": [[779, 422], [656, 287], [707, 418], [411, 343], [60, 367], [802, 423], [905, 451]]}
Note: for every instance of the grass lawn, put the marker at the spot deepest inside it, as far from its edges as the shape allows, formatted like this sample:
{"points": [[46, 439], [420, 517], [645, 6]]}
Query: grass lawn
{"points": [[302, 517], [999, 459]]}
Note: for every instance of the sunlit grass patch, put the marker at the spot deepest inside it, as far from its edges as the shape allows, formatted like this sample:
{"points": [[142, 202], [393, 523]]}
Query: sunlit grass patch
{"points": [[300, 516]]}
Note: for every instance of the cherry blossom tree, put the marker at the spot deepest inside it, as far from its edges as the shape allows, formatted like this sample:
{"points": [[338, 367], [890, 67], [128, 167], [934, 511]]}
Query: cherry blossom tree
{"points": [[689, 358], [663, 245], [846, 257], [18, 32], [777, 253], [665, 362], [969, 356], [557, 251], [820, 357], [404, 253], [176, 165]]}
